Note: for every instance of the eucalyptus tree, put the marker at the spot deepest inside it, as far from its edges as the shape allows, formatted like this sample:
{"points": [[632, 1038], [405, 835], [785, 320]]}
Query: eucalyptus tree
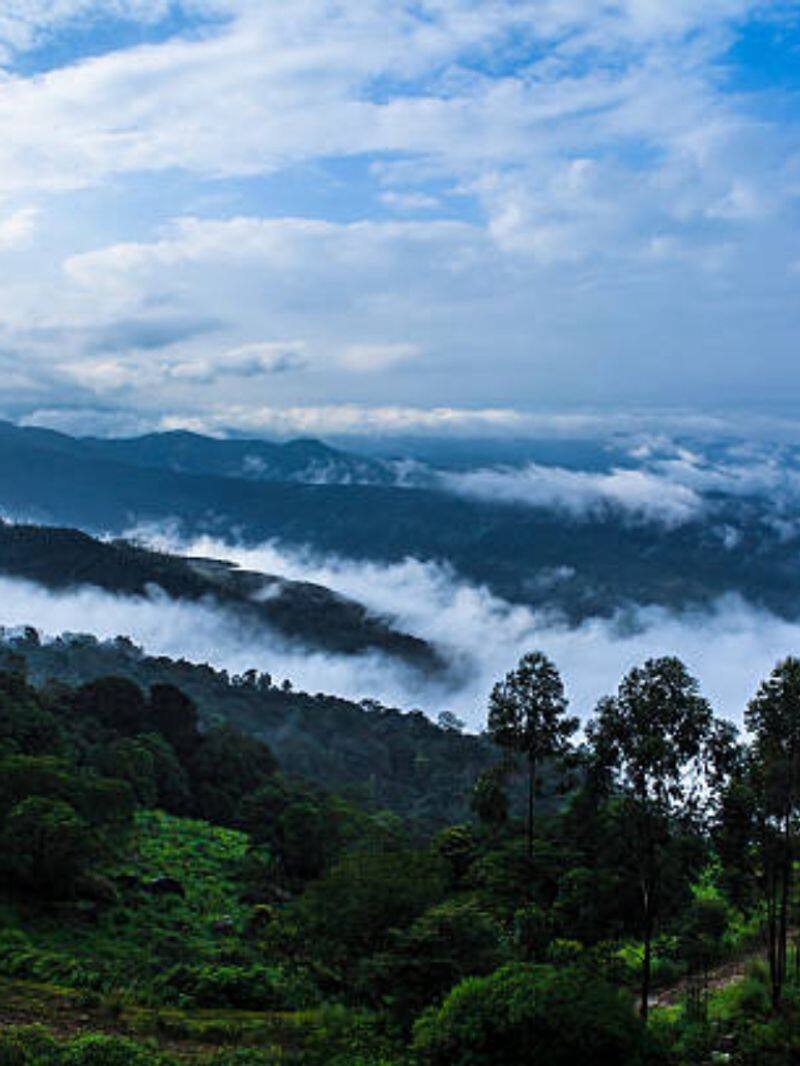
{"points": [[660, 750], [773, 721], [528, 715]]}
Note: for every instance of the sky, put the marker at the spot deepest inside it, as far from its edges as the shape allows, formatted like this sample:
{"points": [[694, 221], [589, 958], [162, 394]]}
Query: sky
{"points": [[440, 216]]}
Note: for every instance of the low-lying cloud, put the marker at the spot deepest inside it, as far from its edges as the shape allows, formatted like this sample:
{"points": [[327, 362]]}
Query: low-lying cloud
{"points": [[729, 646], [640, 494]]}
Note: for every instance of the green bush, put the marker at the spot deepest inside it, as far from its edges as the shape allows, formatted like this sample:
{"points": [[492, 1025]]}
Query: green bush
{"points": [[533, 1013], [27, 1046], [98, 1050]]}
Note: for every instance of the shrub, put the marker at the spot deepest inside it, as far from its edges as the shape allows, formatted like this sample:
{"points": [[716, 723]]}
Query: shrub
{"points": [[24, 1045], [533, 1013], [99, 1050]]}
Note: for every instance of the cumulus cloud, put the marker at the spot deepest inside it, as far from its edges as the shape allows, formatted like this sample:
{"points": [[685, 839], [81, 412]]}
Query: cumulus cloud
{"points": [[638, 493]]}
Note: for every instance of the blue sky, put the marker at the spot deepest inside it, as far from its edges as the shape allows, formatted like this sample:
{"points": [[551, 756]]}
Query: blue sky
{"points": [[441, 216]]}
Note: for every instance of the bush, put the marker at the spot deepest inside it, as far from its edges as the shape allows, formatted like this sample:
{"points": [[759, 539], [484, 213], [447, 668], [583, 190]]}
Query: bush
{"points": [[533, 1013], [24, 1045], [98, 1050]]}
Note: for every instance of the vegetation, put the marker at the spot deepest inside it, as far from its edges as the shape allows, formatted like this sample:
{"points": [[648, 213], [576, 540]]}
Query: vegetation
{"points": [[170, 894], [369, 752]]}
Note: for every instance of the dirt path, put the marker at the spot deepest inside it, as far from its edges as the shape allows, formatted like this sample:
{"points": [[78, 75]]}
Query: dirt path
{"points": [[719, 977]]}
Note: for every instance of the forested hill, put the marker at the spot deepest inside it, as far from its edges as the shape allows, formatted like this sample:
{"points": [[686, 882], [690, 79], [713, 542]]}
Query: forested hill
{"points": [[309, 614], [400, 761]]}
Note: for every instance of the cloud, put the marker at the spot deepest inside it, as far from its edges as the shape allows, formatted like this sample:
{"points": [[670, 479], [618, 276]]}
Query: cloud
{"points": [[352, 419], [375, 357], [578, 185], [16, 229], [410, 202], [249, 361], [147, 332], [26, 24], [638, 493], [730, 646], [246, 361]]}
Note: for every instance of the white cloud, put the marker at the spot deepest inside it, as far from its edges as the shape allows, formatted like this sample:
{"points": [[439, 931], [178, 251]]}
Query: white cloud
{"points": [[354, 419], [731, 646], [375, 357], [17, 228], [638, 493]]}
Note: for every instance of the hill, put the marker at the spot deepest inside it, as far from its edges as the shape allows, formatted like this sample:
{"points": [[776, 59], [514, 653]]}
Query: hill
{"points": [[381, 756], [310, 615]]}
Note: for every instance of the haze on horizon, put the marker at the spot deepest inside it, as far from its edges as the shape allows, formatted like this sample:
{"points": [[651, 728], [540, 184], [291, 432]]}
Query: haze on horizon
{"points": [[436, 217]]}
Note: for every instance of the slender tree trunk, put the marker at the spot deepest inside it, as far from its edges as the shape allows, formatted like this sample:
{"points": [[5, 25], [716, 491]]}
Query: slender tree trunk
{"points": [[531, 802], [773, 938], [647, 960], [783, 914]]}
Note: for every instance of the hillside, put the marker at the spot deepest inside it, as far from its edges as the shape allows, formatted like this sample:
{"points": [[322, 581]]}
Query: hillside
{"points": [[313, 616], [400, 761], [169, 894]]}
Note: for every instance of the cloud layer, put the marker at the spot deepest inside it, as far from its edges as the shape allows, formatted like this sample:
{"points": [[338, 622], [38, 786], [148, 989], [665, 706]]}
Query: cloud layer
{"points": [[730, 646]]}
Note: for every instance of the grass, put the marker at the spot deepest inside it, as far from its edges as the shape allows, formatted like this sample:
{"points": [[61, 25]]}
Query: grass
{"points": [[134, 941]]}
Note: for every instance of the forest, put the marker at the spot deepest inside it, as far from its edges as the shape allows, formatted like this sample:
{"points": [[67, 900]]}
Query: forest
{"points": [[169, 892]]}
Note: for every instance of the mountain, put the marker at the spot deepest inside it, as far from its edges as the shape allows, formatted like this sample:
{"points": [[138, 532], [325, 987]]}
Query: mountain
{"points": [[311, 615], [303, 460], [581, 567]]}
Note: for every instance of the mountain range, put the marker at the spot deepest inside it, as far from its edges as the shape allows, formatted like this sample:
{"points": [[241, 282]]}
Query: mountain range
{"points": [[583, 566]]}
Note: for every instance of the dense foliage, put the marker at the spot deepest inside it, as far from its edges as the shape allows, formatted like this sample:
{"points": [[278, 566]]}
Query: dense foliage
{"points": [[168, 893], [372, 753]]}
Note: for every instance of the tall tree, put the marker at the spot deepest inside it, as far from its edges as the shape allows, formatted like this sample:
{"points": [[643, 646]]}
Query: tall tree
{"points": [[773, 719], [658, 744], [528, 715]]}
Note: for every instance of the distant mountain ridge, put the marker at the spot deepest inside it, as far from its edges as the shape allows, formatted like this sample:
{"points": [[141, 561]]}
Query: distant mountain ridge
{"points": [[302, 460]]}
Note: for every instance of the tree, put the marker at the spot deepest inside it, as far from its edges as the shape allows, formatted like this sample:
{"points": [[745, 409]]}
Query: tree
{"points": [[528, 715], [175, 717], [773, 719], [45, 846], [451, 722], [450, 941], [488, 799], [659, 746], [114, 702]]}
